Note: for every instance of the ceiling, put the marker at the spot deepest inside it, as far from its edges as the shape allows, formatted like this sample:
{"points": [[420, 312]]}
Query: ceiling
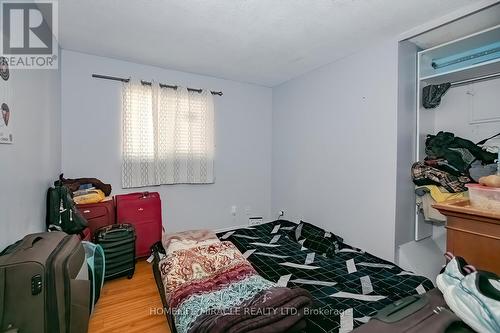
{"points": [[465, 26], [266, 42]]}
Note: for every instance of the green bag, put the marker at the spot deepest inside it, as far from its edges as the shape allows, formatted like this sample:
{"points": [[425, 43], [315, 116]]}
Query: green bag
{"points": [[62, 214]]}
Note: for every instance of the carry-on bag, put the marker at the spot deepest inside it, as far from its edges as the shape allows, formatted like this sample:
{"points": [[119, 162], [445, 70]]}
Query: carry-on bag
{"points": [[98, 215], [143, 210], [118, 244], [414, 314], [44, 285]]}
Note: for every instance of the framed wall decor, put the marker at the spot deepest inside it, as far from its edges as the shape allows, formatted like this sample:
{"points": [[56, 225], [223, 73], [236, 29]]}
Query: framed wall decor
{"points": [[5, 106]]}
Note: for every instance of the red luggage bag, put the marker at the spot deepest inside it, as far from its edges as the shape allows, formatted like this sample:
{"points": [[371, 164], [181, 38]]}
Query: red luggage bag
{"points": [[143, 211], [98, 215]]}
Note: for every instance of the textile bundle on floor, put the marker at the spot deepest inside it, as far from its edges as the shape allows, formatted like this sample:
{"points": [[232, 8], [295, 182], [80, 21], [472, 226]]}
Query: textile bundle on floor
{"points": [[213, 288]]}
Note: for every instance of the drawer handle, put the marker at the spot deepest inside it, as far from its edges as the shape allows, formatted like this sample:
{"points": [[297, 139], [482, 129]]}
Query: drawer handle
{"points": [[140, 209], [86, 211]]}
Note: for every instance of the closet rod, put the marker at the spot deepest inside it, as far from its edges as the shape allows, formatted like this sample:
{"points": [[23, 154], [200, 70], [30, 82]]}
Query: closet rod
{"points": [[476, 79], [115, 78]]}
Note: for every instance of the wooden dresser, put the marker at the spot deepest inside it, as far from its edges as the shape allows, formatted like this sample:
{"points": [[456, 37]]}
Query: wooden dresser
{"points": [[472, 234]]}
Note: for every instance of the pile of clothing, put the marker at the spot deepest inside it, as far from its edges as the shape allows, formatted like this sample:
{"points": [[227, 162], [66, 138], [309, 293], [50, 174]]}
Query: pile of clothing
{"points": [[473, 296], [447, 168], [491, 145], [86, 190]]}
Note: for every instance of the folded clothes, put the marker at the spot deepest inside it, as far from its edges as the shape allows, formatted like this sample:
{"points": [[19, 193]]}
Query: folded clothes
{"points": [[425, 175], [74, 184], [90, 197], [424, 203], [440, 194], [443, 165]]}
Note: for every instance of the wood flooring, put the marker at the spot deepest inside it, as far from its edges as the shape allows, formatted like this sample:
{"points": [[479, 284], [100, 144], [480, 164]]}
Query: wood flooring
{"points": [[129, 306]]}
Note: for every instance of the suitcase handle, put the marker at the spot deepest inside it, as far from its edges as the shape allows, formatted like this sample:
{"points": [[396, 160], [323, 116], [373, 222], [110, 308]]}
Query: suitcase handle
{"points": [[114, 228], [111, 231], [401, 309], [33, 242]]}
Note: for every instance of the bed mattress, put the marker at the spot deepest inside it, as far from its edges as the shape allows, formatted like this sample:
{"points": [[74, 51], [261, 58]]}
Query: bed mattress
{"points": [[348, 285]]}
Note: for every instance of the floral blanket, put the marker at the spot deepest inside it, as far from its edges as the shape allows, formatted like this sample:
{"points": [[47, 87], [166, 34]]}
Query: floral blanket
{"points": [[213, 284]]}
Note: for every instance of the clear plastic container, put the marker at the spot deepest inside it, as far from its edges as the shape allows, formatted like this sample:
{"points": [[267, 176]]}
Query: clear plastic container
{"points": [[484, 197]]}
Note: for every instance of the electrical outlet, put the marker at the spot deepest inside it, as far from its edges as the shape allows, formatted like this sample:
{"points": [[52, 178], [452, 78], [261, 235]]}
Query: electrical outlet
{"points": [[255, 220], [248, 210], [233, 210]]}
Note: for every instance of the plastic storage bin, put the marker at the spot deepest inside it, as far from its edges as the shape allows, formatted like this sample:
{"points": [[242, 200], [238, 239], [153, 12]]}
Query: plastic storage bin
{"points": [[484, 197]]}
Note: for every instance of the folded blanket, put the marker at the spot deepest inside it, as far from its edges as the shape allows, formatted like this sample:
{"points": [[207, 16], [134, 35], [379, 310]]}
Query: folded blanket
{"points": [[188, 239], [274, 310], [213, 280]]}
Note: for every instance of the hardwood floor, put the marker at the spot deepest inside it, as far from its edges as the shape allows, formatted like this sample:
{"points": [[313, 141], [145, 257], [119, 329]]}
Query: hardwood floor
{"points": [[129, 305]]}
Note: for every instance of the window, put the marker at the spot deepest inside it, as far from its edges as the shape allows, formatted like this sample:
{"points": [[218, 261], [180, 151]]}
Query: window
{"points": [[168, 136]]}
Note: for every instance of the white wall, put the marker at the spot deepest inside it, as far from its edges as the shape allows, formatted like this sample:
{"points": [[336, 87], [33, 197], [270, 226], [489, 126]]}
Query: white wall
{"points": [[31, 164], [407, 100], [459, 105], [334, 148], [91, 135]]}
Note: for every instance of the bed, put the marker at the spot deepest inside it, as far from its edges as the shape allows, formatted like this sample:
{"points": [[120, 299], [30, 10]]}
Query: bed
{"points": [[347, 285]]}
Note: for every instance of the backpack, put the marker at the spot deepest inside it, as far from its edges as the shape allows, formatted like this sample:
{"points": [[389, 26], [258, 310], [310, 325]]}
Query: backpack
{"points": [[62, 214]]}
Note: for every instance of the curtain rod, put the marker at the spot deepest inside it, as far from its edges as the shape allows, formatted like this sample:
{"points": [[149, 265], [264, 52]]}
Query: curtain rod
{"points": [[114, 78]]}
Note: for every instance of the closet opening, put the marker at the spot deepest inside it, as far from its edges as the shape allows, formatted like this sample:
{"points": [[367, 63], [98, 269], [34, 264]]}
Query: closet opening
{"points": [[448, 89]]}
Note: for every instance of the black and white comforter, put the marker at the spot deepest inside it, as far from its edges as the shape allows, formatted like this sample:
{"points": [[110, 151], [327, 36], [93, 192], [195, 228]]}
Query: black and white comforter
{"points": [[348, 285]]}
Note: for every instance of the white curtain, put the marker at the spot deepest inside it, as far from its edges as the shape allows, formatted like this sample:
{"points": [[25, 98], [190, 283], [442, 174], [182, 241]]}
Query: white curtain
{"points": [[168, 136]]}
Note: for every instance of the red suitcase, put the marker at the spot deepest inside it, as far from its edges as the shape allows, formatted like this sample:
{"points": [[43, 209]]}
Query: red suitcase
{"points": [[98, 215], [86, 235], [143, 211]]}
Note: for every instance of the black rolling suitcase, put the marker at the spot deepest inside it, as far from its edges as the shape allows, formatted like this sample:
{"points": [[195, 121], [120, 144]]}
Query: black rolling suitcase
{"points": [[44, 285], [118, 243]]}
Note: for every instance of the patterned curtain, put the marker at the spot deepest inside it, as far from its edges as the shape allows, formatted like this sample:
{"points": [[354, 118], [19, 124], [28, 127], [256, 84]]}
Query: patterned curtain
{"points": [[168, 136]]}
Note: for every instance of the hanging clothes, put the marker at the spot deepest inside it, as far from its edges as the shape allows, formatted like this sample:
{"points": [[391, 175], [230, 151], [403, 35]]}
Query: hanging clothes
{"points": [[431, 95]]}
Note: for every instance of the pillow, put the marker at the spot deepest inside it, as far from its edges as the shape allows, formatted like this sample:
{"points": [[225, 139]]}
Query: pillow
{"points": [[316, 238], [307, 230], [326, 246], [188, 239]]}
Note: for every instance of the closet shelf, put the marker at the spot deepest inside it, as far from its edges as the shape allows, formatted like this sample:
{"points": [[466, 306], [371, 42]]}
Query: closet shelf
{"points": [[467, 73], [465, 58]]}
